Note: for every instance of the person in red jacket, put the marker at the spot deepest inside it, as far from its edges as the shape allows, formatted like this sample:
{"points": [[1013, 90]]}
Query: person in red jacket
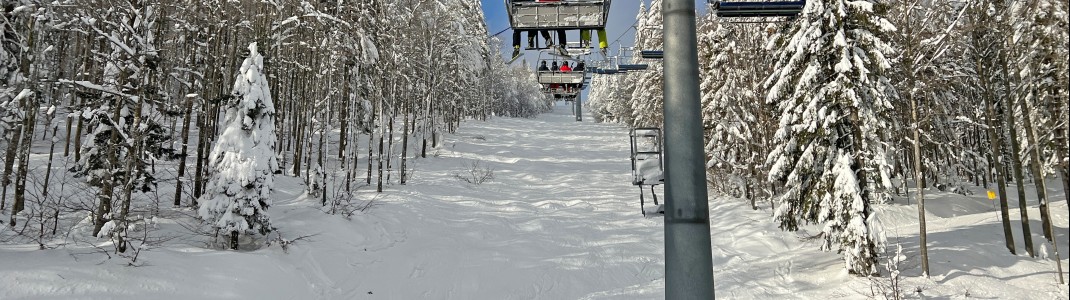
{"points": [[565, 68]]}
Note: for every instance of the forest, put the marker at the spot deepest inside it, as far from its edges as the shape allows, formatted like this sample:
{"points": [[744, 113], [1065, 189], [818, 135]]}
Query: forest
{"points": [[854, 102], [114, 113], [125, 100]]}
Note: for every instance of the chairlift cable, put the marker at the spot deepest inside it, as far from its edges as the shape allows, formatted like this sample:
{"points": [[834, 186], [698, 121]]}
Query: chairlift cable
{"points": [[623, 33], [500, 32]]}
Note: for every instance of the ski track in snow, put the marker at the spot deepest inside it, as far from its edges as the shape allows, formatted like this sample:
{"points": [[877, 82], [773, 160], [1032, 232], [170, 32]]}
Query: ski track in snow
{"points": [[559, 220]]}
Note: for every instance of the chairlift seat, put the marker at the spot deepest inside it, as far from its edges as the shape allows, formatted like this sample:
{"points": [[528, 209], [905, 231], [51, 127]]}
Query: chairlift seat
{"points": [[646, 156], [570, 14], [560, 77]]}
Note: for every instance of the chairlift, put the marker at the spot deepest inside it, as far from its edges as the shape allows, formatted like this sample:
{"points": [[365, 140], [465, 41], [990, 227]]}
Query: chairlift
{"points": [[567, 15], [647, 170], [557, 77], [614, 65]]}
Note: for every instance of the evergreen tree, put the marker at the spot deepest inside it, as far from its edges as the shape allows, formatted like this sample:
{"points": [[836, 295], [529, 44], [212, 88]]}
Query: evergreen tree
{"points": [[616, 100], [834, 101], [600, 97], [648, 98], [243, 157]]}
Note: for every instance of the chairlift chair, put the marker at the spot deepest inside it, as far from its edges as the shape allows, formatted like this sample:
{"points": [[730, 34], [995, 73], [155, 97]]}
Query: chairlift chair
{"points": [[647, 170], [576, 78], [567, 15], [613, 65]]}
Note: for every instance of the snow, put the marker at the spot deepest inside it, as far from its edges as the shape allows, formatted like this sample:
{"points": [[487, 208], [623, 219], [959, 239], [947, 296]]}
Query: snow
{"points": [[648, 170], [560, 220], [22, 94]]}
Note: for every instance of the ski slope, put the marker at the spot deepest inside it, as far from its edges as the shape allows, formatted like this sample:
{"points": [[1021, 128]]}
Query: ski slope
{"points": [[559, 220]]}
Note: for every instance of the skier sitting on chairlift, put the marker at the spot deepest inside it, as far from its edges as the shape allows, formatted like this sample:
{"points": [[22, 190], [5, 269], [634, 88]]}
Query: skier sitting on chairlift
{"points": [[585, 40], [531, 36], [531, 40]]}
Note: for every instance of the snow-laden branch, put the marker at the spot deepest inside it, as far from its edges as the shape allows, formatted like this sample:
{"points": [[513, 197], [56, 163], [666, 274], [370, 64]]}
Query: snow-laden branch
{"points": [[112, 38], [97, 87]]}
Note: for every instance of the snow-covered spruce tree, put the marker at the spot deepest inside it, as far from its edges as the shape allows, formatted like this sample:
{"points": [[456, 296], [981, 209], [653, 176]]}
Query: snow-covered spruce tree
{"points": [[616, 102], [243, 157], [648, 98], [599, 97], [736, 121], [834, 101]]}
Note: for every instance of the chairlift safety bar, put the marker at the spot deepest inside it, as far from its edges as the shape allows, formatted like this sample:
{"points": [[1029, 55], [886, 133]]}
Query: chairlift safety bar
{"points": [[727, 9]]}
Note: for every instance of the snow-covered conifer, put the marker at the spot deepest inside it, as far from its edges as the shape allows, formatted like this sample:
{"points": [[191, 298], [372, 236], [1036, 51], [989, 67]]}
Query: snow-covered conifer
{"points": [[834, 101], [243, 157], [648, 98]]}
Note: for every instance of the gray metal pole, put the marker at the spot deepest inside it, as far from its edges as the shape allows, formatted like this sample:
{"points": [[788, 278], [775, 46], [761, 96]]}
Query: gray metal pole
{"points": [[688, 258], [579, 106]]}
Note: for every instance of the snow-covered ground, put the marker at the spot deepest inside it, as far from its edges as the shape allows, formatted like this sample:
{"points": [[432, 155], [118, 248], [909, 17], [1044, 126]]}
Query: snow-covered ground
{"points": [[559, 220]]}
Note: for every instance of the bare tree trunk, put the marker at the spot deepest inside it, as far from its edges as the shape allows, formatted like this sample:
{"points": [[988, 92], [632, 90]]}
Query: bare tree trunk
{"points": [[299, 139], [1035, 168], [234, 240], [107, 190], [371, 139], [132, 172], [31, 107], [86, 54], [198, 172], [998, 163], [1016, 166], [1010, 125], [390, 133], [343, 116], [182, 153], [48, 173], [379, 184], [404, 143], [922, 231], [28, 126], [428, 121], [9, 162]]}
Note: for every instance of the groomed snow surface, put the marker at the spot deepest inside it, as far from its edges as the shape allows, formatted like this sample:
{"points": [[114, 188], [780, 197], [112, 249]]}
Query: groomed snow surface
{"points": [[559, 220]]}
